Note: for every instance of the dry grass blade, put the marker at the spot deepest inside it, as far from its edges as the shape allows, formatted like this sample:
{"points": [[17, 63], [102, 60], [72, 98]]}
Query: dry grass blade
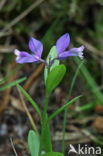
{"points": [[16, 103], [7, 91], [13, 147], [5, 100], [27, 112]]}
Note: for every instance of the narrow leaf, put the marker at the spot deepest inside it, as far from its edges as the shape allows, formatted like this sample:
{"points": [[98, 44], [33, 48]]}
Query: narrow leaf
{"points": [[85, 107], [91, 82], [62, 108], [55, 77], [33, 143], [30, 100], [12, 84], [66, 110]]}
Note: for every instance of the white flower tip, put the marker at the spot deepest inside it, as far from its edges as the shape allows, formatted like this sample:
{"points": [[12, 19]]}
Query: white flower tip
{"points": [[81, 48], [16, 52], [81, 56], [81, 52]]}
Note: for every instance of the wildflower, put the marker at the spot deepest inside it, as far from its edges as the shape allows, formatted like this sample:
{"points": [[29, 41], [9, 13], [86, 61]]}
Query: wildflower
{"points": [[36, 48], [62, 44]]}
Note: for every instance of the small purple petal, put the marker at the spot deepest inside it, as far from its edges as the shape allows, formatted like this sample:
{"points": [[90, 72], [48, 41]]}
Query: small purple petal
{"points": [[35, 46], [24, 57], [27, 59], [72, 52], [62, 43], [24, 54]]}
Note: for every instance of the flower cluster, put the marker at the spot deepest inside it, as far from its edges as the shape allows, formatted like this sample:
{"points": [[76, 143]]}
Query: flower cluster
{"points": [[36, 48]]}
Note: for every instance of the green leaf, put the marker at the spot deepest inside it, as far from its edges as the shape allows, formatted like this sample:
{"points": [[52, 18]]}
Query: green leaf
{"points": [[33, 143], [52, 54], [30, 100], [53, 154], [55, 77], [46, 139], [62, 108], [12, 84], [86, 107]]}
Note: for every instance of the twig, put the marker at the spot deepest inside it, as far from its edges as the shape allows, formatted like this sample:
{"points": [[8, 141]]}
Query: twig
{"points": [[7, 49], [3, 33], [21, 16], [89, 47], [13, 147], [2, 3], [33, 77]]}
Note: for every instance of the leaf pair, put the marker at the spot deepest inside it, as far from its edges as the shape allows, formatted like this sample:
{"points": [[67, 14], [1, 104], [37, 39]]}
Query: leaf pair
{"points": [[55, 73]]}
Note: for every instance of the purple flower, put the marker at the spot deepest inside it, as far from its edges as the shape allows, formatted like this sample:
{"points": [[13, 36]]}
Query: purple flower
{"points": [[61, 46], [24, 57]]}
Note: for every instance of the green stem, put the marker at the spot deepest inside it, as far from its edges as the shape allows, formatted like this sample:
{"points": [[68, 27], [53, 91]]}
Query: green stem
{"points": [[45, 108], [44, 119], [41, 141], [43, 124], [64, 127], [66, 111]]}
